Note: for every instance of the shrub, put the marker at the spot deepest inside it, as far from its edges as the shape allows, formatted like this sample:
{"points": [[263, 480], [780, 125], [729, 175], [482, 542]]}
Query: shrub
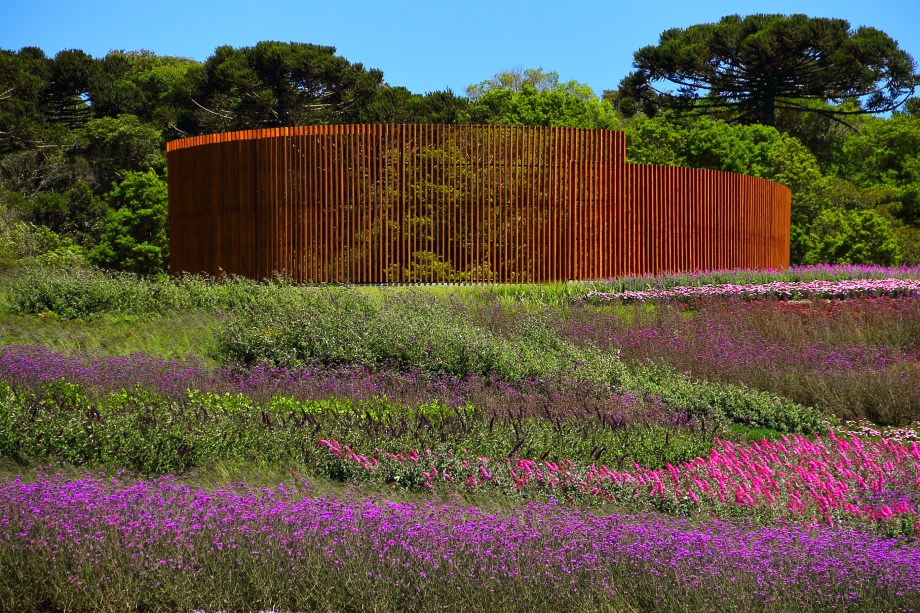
{"points": [[135, 236]]}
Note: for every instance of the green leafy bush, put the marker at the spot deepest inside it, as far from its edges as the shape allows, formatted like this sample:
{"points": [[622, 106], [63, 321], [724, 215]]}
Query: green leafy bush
{"points": [[135, 236], [852, 237], [406, 330], [79, 293], [736, 403]]}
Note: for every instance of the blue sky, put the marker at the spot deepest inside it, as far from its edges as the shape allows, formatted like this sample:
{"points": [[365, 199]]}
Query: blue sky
{"points": [[424, 46]]}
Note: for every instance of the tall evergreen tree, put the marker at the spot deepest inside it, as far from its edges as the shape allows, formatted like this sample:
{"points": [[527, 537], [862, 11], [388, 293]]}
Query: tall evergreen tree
{"points": [[278, 84], [751, 67]]}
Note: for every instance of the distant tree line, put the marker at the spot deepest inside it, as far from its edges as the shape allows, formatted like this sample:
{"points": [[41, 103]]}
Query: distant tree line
{"points": [[82, 163]]}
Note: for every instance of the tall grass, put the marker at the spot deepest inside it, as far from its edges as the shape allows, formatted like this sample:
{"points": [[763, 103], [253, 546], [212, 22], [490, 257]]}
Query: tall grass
{"points": [[77, 292], [173, 335]]}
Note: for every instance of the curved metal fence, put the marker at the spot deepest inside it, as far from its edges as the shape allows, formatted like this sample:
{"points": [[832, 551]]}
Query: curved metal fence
{"points": [[457, 204]]}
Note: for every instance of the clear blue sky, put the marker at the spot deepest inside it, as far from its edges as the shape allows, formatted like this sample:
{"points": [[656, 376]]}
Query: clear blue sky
{"points": [[426, 45]]}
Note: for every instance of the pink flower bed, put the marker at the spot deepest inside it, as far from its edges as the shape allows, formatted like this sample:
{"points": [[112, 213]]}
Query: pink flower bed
{"points": [[778, 289], [840, 479]]}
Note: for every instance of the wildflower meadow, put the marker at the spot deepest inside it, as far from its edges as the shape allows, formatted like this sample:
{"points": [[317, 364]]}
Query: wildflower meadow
{"points": [[729, 441]]}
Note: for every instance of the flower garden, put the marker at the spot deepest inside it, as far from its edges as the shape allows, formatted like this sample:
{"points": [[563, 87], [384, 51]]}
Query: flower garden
{"points": [[728, 441]]}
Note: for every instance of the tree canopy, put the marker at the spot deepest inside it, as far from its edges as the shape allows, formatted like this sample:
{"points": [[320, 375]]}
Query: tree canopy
{"points": [[515, 80], [748, 68], [536, 98], [278, 84]]}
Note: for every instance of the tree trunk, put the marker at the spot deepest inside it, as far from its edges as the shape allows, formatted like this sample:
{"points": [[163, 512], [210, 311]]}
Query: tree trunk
{"points": [[768, 107]]}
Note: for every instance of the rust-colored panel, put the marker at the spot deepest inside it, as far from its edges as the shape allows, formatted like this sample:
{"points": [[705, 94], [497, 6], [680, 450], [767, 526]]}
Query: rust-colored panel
{"points": [[411, 203]]}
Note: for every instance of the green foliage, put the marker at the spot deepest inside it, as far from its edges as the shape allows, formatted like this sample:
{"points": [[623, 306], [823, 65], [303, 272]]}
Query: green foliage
{"points": [[140, 83], [833, 221], [42, 100], [516, 80], [115, 146], [20, 239], [414, 331], [751, 150], [67, 88], [530, 107], [755, 150], [76, 214], [26, 240], [399, 105], [411, 330], [135, 231], [23, 75], [173, 335], [661, 139], [132, 429], [136, 429], [537, 98], [912, 107], [277, 84], [33, 172], [81, 293], [885, 153], [799, 244], [795, 167], [851, 237], [748, 68], [86, 292], [820, 130], [908, 238], [737, 404]]}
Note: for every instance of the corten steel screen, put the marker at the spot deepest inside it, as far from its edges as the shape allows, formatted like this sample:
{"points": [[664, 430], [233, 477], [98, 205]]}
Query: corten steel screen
{"points": [[457, 204]]}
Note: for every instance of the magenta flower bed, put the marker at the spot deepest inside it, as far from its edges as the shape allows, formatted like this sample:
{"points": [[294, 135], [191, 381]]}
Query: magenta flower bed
{"points": [[795, 479]]}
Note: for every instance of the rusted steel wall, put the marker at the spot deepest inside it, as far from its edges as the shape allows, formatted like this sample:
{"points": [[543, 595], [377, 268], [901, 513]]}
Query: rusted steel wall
{"points": [[689, 219], [457, 204]]}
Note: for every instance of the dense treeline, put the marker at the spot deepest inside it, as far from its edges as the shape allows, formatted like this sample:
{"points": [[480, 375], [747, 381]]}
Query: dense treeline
{"points": [[82, 164]]}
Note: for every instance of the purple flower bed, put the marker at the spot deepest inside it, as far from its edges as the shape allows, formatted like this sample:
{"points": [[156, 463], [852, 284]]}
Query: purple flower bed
{"points": [[855, 358], [35, 366], [717, 343], [163, 529]]}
